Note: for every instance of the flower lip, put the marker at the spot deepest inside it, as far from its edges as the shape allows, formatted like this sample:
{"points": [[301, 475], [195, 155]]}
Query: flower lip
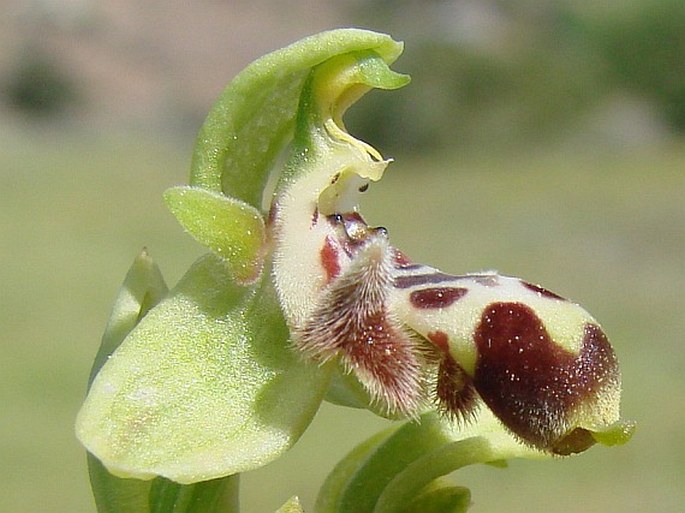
{"points": [[581, 439], [578, 440]]}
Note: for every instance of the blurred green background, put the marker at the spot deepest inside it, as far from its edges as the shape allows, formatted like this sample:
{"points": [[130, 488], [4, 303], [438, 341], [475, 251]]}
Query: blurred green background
{"points": [[540, 138]]}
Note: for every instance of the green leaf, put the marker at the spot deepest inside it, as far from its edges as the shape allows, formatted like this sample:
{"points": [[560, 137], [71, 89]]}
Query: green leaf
{"points": [[205, 386], [231, 229], [254, 116]]}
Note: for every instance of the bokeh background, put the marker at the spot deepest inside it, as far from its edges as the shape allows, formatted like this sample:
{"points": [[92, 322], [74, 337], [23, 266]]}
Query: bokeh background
{"points": [[544, 139]]}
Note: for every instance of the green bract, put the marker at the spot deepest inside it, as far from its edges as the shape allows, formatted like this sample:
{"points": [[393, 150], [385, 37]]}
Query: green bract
{"points": [[195, 385]]}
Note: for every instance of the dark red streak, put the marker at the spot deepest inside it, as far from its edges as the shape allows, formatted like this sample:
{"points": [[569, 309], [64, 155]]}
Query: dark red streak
{"points": [[329, 259], [439, 340], [405, 282], [542, 291]]}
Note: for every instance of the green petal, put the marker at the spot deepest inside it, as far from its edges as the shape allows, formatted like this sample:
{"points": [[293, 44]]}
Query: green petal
{"points": [[205, 386], [255, 114], [231, 229]]}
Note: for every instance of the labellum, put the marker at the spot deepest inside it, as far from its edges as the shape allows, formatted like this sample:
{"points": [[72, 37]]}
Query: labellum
{"points": [[415, 336]]}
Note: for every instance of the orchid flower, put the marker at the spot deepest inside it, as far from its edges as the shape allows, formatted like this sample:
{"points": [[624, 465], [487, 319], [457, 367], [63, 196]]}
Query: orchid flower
{"points": [[299, 300]]}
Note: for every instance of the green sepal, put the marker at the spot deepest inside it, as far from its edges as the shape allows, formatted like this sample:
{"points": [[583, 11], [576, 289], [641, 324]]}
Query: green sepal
{"points": [[254, 116], [142, 289], [230, 228], [205, 385]]}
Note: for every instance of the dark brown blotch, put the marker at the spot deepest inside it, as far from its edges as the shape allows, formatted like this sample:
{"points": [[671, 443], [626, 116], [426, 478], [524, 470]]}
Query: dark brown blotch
{"points": [[436, 297], [532, 384], [456, 396]]}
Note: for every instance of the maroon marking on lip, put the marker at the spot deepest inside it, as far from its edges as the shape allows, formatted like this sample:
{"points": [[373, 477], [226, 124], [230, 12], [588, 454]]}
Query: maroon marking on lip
{"points": [[542, 291], [455, 391], [273, 212], [436, 297], [439, 340], [329, 259], [401, 260], [315, 216], [532, 384], [413, 280], [351, 321]]}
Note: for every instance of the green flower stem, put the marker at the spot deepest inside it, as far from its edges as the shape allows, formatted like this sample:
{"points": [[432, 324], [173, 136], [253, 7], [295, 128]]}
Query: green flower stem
{"points": [[401, 469], [359, 479]]}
